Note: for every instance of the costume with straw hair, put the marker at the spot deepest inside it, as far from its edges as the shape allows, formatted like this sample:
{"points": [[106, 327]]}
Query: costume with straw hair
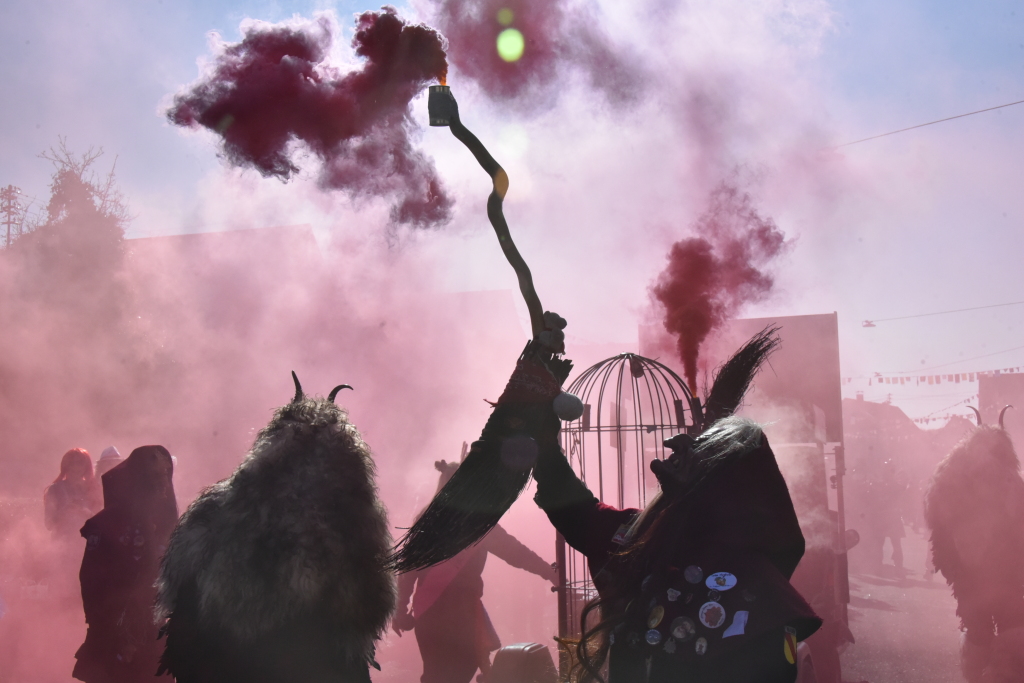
{"points": [[695, 586]]}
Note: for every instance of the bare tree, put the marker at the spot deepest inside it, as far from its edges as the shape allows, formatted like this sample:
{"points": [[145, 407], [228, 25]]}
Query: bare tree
{"points": [[75, 180]]}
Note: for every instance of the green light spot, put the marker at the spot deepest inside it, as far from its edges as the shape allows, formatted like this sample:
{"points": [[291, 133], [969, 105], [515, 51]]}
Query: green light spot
{"points": [[505, 16], [510, 45], [225, 123]]}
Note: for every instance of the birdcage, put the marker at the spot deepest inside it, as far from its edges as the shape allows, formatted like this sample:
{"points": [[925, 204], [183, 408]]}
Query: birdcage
{"points": [[631, 405]]}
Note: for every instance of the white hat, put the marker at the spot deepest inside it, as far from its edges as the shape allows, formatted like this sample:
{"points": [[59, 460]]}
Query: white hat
{"points": [[110, 453]]}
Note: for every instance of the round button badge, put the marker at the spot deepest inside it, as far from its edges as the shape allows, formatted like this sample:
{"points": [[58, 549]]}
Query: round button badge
{"points": [[721, 581], [712, 614], [693, 574], [683, 628]]}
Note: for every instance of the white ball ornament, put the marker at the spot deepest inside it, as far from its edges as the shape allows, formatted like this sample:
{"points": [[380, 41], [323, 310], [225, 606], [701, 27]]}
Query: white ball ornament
{"points": [[567, 406]]}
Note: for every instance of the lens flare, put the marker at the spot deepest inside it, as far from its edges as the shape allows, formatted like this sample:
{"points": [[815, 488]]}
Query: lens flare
{"points": [[510, 45], [505, 16]]}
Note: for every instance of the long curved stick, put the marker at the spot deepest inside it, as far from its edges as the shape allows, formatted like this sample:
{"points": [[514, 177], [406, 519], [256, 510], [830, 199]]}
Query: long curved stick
{"points": [[494, 212]]}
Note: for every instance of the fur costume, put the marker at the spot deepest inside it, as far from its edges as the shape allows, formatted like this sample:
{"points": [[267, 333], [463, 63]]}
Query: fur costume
{"points": [[974, 507], [277, 574]]}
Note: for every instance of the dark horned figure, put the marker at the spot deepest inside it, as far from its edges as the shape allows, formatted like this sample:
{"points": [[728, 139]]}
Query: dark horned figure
{"points": [[277, 574], [974, 506], [694, 587]]}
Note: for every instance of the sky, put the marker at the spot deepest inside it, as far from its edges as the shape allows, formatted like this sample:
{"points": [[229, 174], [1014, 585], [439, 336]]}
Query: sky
{"points": [[923, 221]]}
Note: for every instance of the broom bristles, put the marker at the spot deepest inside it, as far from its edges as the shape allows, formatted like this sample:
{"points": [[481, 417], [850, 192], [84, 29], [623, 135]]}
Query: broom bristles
{"points": [[463, 511], [734, 377]]}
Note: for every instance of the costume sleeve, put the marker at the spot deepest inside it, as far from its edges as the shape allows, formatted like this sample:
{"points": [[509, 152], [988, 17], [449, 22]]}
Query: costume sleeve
{"points": [[103, 575], [511, 550], [585, 523]]}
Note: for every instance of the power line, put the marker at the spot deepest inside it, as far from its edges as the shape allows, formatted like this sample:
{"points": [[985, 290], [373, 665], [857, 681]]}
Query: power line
{"points": [[871, 323], [930, 123], [946, 365]]}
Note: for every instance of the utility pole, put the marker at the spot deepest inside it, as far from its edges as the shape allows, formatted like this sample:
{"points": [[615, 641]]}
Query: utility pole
{"points": [[10, 213]]}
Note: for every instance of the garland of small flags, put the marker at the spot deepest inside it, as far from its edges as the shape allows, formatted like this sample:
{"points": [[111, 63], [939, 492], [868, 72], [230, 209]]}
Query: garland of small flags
{"points": [[917, 380], [932, 417]]}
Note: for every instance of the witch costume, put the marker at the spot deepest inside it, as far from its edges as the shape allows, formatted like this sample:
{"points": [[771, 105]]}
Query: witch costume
{"points": [[695, 587]]}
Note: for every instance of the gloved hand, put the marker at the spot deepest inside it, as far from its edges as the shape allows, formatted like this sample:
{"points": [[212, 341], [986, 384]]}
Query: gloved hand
{"points": [[553, 338]]}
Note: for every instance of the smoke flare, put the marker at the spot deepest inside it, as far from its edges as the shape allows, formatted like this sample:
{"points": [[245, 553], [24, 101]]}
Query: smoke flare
{"points": [[708, 278], [276, 87]]}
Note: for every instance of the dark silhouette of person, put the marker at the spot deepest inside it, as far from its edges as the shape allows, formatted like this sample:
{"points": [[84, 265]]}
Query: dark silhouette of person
{"points": [[974, 507], [124, 545], [695, 586], [453, 631], [73, 497], [278, 574], [887, 493]]}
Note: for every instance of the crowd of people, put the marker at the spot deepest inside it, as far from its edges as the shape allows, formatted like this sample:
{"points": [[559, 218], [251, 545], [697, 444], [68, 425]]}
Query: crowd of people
{"points": [[695, 586]]}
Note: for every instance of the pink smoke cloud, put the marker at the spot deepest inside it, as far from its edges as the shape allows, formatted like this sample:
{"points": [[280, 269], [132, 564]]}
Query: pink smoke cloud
{"points": [[711, 276], [557, 38], [277, 87]]}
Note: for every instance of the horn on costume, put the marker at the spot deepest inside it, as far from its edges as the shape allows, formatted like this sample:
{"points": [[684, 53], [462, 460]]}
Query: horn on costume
{"points": [[298, 388], [976, 413], [1001, 413], [334, 392]]}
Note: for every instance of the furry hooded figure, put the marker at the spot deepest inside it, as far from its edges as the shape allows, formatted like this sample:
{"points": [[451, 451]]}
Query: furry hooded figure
{"points": [[277, 574], [974, 507]]}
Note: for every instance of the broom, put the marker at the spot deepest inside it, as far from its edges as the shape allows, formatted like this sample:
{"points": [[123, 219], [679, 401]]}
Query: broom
{"points": [[500, 462]]}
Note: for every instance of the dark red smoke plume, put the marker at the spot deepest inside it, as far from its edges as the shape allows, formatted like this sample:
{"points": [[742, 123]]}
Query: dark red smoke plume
{"points": [[275, 87], [557, 38], [708, 278]]}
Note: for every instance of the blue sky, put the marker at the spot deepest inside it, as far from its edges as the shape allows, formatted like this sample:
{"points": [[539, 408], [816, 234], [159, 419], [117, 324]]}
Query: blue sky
{"points": [[96, 71], [922, 221]]}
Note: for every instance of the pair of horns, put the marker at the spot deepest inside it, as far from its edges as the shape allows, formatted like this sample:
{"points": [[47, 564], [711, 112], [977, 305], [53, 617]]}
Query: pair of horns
{"points": [[330, 397], [1001, 413]]}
